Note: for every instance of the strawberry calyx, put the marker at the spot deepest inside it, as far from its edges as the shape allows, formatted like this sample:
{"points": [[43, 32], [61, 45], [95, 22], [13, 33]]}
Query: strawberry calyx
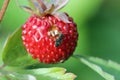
{"points": [[47, 7]]}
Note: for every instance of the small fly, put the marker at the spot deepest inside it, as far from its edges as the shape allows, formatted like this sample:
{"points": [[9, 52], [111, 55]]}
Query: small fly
{"points": [[54, 33], [59, 40]]}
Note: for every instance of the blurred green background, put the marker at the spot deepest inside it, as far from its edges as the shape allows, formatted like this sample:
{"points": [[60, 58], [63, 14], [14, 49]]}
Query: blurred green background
{"points": [[98, 26]]}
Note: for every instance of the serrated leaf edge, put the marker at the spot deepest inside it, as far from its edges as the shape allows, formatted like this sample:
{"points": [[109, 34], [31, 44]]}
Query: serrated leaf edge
{"points": [[98, 70], [54, 72], [115, 65]]}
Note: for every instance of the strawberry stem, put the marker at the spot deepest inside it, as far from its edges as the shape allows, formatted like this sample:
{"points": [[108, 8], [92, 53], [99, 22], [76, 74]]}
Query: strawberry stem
{"points": [[4, 7], [42, 5]]}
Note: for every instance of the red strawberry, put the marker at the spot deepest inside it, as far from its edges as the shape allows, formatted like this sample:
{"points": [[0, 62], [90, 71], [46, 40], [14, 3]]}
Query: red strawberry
{"points": [[47, 35]]}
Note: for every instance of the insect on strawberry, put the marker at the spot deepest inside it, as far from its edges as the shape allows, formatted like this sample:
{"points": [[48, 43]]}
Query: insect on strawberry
{"points": [[48, 35], [59, 40]]}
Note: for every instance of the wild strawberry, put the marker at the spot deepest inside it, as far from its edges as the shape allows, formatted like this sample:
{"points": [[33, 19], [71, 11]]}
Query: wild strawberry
{"points": [[48, 35]]}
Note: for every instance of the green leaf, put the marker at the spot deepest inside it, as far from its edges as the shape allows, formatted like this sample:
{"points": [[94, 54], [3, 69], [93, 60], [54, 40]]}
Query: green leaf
{"points": [[14, 53], [16, 76], [55, 73], [109, 70], [6, 75], [109, 66]]}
